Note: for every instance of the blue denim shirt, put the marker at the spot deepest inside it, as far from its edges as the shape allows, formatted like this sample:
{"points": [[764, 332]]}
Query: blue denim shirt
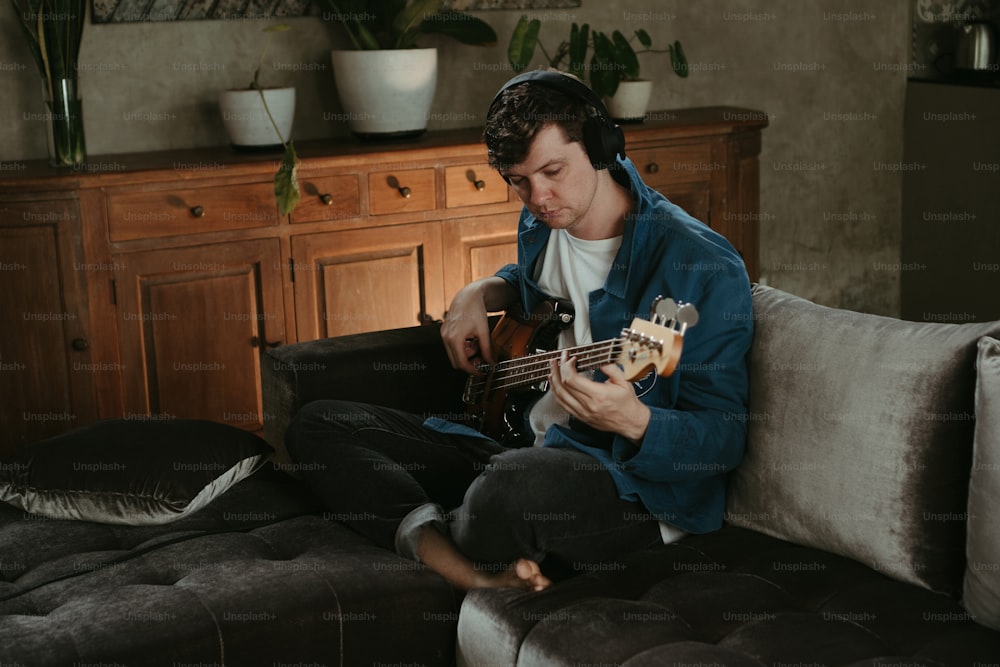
{"points": [[697, 429]]}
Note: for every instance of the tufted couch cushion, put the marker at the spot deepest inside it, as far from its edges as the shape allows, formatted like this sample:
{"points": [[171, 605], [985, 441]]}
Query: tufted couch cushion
{"points": [[860, 440], [258, 577], [736, 598]]}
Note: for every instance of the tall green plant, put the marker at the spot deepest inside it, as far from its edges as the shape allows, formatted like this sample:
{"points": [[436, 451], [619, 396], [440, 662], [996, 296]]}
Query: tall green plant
{"points": [[613, 60], [53, 30], [397, 24]]}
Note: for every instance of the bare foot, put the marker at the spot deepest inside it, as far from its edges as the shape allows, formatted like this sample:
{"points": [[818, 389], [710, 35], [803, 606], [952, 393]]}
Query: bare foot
{"points": [[523, 573]]}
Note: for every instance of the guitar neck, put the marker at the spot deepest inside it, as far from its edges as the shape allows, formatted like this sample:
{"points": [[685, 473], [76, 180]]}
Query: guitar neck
{"points": [[526, 371]]}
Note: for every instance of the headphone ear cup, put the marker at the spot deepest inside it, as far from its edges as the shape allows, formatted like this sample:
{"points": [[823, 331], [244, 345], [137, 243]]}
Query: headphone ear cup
{"points": [[603, 141]]}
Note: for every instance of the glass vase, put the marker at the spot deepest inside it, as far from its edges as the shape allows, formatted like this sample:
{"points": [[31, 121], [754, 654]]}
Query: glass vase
{"points": [[67, 147]]}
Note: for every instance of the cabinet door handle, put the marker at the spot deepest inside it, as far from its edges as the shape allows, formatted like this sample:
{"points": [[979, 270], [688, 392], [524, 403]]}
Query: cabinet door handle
{"points": [[480, 185], [326, 199], [197, 211], [80, 344], [263, 342], [652, 167], [405, 191]]}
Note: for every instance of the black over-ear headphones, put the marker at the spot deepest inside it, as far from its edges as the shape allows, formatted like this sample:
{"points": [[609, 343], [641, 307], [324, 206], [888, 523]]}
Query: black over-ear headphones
{"points": [[602, 138]]}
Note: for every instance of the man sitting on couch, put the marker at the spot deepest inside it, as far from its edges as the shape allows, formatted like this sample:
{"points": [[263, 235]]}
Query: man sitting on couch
{"points": [[618, 464]]}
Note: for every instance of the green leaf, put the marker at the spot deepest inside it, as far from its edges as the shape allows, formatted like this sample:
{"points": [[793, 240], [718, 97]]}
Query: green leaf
{"points": [[465, 28], [579, 36], [603, 77], [521, 49], [626, 62], [644, 38], [406, 25], [678, 61], [286, 181]]}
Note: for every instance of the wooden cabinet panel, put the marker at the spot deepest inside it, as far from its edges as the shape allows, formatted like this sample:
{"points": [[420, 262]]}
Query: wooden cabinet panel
{"points": [[401, 191], [695, 198], [193, 322], [477, 248], [327, 198], [661, 167], [473, 185], [367, 279], [46, 381], [155, 213]]}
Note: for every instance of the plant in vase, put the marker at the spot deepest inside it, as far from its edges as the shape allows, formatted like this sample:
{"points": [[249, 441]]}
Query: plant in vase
{"points": [[386, 82], [53, 30], [249, 128], [613, 69]]}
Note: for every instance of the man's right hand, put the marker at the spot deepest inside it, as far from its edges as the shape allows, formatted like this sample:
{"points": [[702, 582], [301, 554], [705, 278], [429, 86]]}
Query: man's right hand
{"points": [[465, 331]]}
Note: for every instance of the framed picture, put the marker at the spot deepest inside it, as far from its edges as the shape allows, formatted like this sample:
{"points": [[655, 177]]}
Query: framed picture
{"points": [[139, 11]]}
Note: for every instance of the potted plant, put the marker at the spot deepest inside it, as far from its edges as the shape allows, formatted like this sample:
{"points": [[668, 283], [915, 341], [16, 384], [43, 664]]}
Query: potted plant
{"points": [[259, 118], [385, 82], [53, 30], [613, 69]]}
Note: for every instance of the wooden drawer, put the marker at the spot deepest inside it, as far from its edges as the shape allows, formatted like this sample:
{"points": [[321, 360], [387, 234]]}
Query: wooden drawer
{"points": [[328, 198], [401, 191], [145, 214], [690, 163], [473, 185]]}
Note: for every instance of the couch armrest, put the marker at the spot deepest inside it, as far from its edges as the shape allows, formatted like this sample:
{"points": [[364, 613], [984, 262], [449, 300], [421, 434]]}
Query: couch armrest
{"points": [[402, 368]]}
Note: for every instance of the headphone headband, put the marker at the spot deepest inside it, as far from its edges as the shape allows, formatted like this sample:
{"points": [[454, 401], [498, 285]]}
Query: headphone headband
{"points": [[564, 83]]}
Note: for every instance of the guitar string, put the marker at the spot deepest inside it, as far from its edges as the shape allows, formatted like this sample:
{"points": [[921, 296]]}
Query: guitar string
{"points": [[526, 370]]}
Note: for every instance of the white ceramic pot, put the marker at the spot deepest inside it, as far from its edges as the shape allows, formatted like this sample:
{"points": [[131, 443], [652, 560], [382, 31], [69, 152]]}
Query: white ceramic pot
{"points": [[246, 120], [385, 93], [630, 101]]}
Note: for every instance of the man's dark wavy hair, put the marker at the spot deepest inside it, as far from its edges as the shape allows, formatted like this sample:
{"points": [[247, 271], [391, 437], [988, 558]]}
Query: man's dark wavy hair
{"points": [[521, 111]]}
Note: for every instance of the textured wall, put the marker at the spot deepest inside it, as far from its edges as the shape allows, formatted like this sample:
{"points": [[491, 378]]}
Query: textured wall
{"points": [[830, 73]]}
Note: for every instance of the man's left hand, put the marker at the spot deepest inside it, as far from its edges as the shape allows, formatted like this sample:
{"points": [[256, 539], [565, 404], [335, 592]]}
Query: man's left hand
{"points": [[607, 406]]}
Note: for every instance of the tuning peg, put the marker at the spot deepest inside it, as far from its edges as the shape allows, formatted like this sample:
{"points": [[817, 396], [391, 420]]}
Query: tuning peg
{"points": [[687, 316], [663, 309]]}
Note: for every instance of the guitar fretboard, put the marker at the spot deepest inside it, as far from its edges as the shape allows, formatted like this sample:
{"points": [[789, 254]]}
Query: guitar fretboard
{"points": [[526, 371]]}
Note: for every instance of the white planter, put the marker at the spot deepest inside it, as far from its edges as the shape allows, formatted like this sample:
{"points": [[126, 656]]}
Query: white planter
{"points": [[247, 122], [630, 101], [385, 93]]}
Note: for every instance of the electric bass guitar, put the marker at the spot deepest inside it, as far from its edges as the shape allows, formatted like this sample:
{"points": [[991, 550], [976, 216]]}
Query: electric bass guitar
{"points": [[498, 399]]}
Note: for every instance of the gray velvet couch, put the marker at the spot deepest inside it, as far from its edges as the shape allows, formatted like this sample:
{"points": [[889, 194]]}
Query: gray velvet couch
{"points": [[861, 530]]}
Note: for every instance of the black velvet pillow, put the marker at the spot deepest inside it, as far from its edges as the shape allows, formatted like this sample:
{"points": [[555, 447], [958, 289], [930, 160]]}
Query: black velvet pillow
{"points": [[134, 472]]}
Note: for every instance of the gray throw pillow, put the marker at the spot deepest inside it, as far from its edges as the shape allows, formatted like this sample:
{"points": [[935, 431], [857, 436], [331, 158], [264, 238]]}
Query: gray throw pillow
{"points": [[134, 472], [860, 436], [982, 576]]}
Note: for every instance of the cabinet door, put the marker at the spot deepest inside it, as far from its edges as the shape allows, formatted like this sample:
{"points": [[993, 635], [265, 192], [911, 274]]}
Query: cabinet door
{"points": [[192, 324], [46, 384], [476, 248], [359, 280]]}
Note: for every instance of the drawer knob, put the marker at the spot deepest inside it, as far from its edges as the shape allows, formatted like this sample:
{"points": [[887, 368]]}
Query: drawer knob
{"points": [[197, 211], [80, 344], [405, 191], [652, 167], [480, 185], [326, 199]]}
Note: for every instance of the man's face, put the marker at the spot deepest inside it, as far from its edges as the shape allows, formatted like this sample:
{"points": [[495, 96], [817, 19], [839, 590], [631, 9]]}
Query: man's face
{"points": [[556, 181]]}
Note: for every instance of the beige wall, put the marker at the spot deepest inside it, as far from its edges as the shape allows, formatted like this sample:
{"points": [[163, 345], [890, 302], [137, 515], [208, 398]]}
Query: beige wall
{"points": [[830, 73]]}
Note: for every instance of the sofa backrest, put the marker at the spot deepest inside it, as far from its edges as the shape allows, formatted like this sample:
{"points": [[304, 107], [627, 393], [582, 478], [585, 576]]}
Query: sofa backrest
{"points": [[860, 436]]}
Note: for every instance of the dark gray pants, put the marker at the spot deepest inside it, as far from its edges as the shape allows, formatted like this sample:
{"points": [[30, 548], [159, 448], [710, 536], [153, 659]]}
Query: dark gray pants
{"points": [[383, 473]]}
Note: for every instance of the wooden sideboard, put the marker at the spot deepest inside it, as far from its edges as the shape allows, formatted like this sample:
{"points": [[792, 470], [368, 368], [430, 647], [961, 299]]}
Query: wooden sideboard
{"points": [[146, 285]]}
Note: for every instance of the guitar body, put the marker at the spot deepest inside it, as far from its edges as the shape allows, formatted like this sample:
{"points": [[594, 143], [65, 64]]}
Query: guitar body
{"points": [[500, 412]]}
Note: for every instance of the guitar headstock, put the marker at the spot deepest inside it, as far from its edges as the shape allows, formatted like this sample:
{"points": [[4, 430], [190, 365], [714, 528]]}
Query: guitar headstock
{"points": [[658, 341]]}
